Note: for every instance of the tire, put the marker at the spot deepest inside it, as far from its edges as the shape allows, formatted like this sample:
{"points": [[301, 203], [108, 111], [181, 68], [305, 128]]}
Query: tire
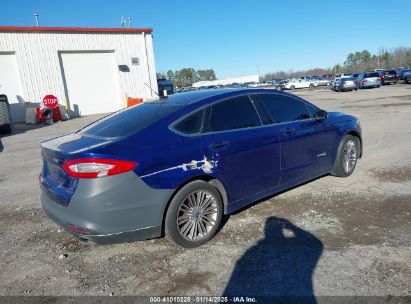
{"points": [[194, 228], [6, 129], [356, 89], [292, 87], [378, 86], [349, 147], [311, 85]]}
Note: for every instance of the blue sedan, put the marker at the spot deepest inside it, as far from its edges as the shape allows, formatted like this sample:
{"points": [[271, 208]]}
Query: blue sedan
{"points": [[176, 166]]}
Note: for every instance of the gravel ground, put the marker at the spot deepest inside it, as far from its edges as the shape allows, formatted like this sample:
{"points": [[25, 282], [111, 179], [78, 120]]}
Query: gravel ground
{"points": [[329, 237]]}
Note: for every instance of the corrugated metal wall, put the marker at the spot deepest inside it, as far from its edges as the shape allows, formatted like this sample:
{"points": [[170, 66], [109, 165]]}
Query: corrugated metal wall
{"points": [[38, 61]]}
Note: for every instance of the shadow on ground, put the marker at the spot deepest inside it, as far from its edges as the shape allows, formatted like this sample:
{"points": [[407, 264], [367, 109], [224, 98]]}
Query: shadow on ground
{"points": [[279, 267]]}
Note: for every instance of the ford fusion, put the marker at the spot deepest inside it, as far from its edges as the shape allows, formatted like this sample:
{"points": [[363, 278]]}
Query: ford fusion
{"points": [[176, 166]]}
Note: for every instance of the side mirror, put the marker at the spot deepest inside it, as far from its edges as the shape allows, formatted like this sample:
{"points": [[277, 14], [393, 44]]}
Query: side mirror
{"points": [[321, 115]]}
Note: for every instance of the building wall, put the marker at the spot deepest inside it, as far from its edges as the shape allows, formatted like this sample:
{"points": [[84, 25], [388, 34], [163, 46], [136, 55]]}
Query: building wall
{"points": [[37, 55]]}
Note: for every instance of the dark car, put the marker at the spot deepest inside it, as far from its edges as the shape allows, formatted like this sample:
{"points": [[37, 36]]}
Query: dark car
{"points": [[407, 77], [355, 75], [388, 76], [345, 84], [177, 165], [369, 80], [401, 73]]}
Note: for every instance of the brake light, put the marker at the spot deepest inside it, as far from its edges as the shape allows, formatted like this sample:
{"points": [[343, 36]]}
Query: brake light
{"points": [[97, 167], [365, 80], [379, 78]]}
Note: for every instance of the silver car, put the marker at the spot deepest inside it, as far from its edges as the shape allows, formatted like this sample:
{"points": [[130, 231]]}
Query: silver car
{"points": [[369, 80]]}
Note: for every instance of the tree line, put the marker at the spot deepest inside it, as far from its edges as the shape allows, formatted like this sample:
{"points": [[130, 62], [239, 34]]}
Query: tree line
{"points": [[355, 62], [187, 76]]}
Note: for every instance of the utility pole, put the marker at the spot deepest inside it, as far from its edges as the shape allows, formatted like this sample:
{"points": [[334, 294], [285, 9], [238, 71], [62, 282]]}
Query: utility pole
{"points": [[36, 18], [122, 22], [129, 22], [258, 72]]}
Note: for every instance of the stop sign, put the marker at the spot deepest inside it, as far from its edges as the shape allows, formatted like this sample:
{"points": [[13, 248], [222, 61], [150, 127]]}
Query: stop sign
{"points": [[50, 101]]}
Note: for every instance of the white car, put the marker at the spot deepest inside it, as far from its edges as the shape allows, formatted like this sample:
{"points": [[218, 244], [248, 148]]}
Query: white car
{"points": [[299, 84]]}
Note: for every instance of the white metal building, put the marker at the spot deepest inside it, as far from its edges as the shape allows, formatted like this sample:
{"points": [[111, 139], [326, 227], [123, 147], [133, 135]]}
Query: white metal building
{"points": [[90, 70]]}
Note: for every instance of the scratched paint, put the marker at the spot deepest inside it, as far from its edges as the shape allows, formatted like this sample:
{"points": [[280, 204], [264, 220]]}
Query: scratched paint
{"points": [[205, 165]]}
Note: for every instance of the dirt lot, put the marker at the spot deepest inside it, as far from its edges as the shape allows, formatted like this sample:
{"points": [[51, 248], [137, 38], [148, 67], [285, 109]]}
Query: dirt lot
{"points": [[331, 236]]}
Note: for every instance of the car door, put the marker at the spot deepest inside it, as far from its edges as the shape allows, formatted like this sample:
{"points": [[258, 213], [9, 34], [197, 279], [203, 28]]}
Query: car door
{"points": [[305, 142], [247, 154]]}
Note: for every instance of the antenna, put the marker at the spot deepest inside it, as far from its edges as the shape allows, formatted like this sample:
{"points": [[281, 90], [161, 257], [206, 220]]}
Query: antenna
{"points": [[129, 21], [36, 17], [152, 90], [122, 22]]}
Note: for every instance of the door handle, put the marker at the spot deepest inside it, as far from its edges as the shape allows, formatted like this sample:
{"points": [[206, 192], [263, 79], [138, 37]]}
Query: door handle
{"points": [[219, 144], [288, 131]]}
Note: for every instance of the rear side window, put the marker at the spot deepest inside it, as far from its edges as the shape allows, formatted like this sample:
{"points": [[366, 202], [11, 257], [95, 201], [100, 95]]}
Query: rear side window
{"points": [[131, 120], [283, 108], [192, 124], [233, 113]]}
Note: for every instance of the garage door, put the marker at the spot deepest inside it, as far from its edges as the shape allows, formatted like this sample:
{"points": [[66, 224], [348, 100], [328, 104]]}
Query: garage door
{"points": [[92, 84], [11, 86]]}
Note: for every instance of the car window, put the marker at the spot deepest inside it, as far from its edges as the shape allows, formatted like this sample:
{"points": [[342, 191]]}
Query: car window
{"points": [[233, 113], [370, 75], [283, 108], [130, 120], [192, 124]]}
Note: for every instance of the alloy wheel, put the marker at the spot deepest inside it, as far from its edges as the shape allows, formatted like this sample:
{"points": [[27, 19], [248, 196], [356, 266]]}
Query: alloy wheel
{"points": [[197, 215]]}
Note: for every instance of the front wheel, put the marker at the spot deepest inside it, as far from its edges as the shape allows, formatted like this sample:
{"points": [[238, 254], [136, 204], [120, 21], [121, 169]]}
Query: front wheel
{"points": [[292, 87], [194, 215], [347, 156]]}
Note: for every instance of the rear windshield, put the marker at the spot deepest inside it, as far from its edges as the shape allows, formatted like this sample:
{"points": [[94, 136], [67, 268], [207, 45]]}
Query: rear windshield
{"points": [[391, 72], [131, 120], [370, 75], [348, 79]]}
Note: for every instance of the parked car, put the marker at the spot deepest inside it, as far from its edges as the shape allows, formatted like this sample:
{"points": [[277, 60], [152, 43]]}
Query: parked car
{"points": [[321, 81], [215, 151], [298, 84], [346, 84], [401, 73], [369, 79], [355, 75], [407, 77], [388, 76], [280, 84]]}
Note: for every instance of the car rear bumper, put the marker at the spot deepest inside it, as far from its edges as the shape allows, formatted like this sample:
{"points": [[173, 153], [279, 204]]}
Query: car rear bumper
{"points": [[349, 87], [370, 84], [111, 209]]}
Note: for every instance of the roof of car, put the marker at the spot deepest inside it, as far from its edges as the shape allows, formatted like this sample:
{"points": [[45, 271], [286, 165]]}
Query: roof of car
{"points": [[196, 96]]}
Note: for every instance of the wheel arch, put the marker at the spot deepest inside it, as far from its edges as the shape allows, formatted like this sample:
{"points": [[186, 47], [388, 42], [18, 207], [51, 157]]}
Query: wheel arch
{"points": [[358, 135], [205, 178]]}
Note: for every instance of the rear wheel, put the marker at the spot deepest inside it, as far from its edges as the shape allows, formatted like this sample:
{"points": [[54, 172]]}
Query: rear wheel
{"points": [[292, 87], [311, 85], [347, 156], [194, 215]]}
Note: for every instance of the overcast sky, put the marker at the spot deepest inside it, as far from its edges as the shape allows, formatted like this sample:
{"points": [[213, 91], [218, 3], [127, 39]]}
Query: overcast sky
{"points": [[234, 36]]}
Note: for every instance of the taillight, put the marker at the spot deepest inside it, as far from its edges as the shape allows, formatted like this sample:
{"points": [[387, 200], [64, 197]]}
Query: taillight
{"points": [[365, 80], [379, 78], [97, 167]]}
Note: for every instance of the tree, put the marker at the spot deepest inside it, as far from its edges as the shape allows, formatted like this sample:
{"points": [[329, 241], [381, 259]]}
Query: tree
{"points": [[160, 75], [170, 75], [204, 75]]}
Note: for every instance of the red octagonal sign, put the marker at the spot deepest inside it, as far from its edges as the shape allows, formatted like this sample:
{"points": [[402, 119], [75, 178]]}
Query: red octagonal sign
{"points": [[50, 101]]}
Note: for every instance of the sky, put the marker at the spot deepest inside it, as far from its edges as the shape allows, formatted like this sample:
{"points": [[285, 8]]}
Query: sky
{"points": [[236, 37]]}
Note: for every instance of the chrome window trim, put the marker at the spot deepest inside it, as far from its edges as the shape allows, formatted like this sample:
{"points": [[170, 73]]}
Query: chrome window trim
{"points": [[172, 129]]}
